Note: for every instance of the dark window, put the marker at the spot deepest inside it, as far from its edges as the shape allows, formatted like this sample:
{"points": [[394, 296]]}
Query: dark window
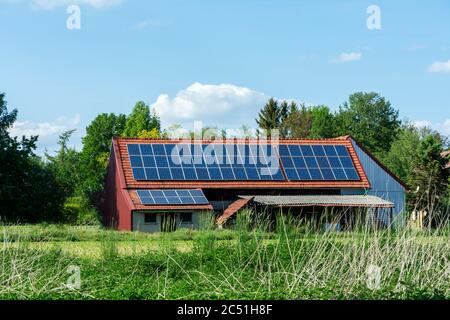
{"points": [[186, 217], [150, 218]]}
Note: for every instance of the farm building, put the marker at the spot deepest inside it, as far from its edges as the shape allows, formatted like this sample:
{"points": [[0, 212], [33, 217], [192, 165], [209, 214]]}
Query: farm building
{"points": [[155, 185]]}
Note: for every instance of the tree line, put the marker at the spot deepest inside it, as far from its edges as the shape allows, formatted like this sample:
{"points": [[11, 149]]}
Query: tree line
{"points": [[68, 186], [414, 154]]}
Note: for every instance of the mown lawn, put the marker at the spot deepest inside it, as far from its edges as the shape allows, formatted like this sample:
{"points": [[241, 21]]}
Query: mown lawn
{"points": [[38, 263]]}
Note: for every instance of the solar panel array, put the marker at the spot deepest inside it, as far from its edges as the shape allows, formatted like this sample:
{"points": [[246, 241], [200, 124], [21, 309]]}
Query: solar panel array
{"points": [[241, 162], [317, 162], [204, 162], [172, 197]]}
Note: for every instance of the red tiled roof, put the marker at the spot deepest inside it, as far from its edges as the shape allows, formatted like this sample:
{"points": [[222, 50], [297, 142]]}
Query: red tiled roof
{"points": [[232, 209], [139, 206], [120, 144]]}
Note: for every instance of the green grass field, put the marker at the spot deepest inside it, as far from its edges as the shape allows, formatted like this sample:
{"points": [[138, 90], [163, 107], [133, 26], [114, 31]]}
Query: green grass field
{"points": [[37, 262]]}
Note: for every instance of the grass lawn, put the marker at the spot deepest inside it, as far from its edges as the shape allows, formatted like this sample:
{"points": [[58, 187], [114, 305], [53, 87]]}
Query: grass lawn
{"points": [[38, 262]]}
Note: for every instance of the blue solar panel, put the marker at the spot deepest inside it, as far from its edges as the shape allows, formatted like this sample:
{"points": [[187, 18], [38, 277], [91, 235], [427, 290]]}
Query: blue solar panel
{"points": [[311, 162], [164, 174], [172, 197], [342, 151], [133, 150], [339, 174], [146, 149], [136, 161], [317, 162], [304, 174], [139, 174], [232, 162], [315, 174], [151, 174], [241, 162], [159, 150], [190, 174], [330, 151], [148, 161], [306, 151], [346, 162], [318, 151], [292, 173], [351, 174], [327, 174]]}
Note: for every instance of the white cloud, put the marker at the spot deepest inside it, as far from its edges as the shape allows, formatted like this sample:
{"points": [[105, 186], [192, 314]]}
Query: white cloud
{"points": [[44, 129], [442, 127], [223, 105], [440, 67], [422, 124], [52, 4], [48, 132], [347, 57]]}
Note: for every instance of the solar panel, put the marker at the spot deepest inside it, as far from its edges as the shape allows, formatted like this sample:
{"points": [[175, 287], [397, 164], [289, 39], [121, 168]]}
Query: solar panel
{"points": [[241, 162], [317, 162], [172, 197], [206, 162]]}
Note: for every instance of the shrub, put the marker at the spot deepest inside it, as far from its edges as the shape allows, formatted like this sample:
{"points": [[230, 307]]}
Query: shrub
{"points": [[76, 210]]}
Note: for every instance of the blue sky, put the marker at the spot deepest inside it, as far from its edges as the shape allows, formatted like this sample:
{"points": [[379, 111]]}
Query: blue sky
{"points": [[218, 61]]}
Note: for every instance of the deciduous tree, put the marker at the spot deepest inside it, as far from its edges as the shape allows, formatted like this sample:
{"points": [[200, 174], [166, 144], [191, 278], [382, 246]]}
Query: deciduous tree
{"points": [[139, 120], [95, 153], [28, 191], [322, 123], [430, 176], [370, 119]]}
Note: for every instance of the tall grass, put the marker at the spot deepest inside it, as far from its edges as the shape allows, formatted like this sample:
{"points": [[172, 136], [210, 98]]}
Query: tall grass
{"points": [[285, 258], [27, 273], [366, 262]]}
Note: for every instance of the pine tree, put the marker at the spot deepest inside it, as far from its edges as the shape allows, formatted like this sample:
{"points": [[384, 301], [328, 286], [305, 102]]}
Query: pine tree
{"points": [[298, 123], [284, 115], [270, 117]]}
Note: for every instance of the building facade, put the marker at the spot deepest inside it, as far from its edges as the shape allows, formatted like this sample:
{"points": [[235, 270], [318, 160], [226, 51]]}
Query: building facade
{"points": [[164, 185]]}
